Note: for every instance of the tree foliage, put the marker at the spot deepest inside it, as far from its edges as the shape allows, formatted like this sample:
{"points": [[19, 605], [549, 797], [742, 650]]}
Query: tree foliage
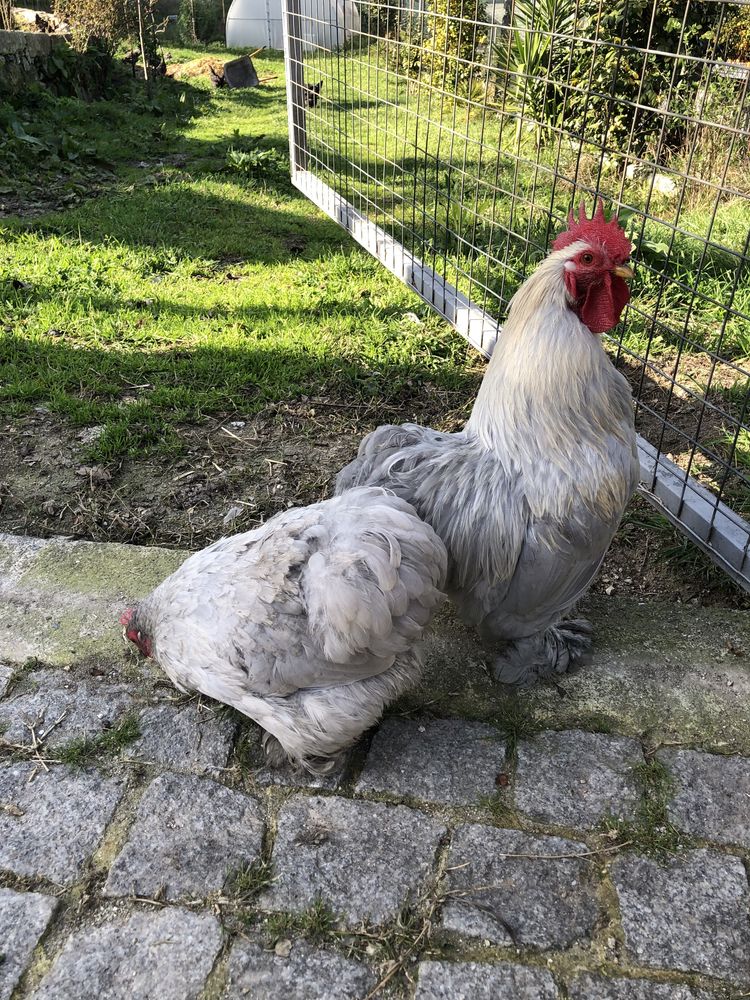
{"points": [[104, 23]]}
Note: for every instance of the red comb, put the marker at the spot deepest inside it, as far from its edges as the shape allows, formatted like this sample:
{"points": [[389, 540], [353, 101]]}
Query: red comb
{"points": [[608, 234], [126, 617]]}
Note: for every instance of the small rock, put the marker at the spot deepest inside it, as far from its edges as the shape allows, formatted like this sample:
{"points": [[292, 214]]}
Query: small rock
{"points": [[412, 317], [90, 434], [712, 795], [183, 737], [283, 949], [588, 987], [237, 424]]}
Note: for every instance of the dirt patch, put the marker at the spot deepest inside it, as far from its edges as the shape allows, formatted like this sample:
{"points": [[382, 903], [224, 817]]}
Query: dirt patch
{"points": [[237, 471]]}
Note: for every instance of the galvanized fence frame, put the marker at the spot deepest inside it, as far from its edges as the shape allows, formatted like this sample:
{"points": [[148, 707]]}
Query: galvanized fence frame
{"points": [[699, 512]]}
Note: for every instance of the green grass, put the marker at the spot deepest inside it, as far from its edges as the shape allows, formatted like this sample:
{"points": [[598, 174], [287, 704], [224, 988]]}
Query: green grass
{"points": [[199, 283], [86, 750], [317, 923], [651, 831]]}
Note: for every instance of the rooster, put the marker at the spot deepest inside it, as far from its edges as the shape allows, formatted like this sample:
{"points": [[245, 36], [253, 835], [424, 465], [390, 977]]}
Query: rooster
{"points": [[310, 624], [528, 496]]}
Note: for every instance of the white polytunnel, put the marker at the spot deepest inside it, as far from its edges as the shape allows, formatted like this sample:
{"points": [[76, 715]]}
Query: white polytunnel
{"points": [[327, 24]]}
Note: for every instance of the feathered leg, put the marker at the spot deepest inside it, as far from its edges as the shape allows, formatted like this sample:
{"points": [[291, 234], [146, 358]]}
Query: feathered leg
{"points": [[558, 649]]}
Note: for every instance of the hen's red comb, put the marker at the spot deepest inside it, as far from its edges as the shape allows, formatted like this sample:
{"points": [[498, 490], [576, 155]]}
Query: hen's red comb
{"points": [[126, 617], [608, 234]]}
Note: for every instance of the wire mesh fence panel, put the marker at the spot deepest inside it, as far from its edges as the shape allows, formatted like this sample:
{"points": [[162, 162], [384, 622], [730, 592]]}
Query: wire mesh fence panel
{"points": [[452, 137]]}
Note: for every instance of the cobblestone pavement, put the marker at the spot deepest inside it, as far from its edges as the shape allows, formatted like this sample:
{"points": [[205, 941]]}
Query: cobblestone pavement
{"points": [[585, 841]]}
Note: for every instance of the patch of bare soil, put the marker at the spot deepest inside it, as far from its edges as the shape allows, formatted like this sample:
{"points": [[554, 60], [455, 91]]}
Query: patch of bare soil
{"points": [[237, 471]]}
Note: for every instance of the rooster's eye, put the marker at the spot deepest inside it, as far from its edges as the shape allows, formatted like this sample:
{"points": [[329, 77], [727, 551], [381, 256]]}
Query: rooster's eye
{"points": [[587, 258]]}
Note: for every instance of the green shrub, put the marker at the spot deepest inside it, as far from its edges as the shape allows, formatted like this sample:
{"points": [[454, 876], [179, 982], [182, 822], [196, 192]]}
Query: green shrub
{"points": [[456, 41]]}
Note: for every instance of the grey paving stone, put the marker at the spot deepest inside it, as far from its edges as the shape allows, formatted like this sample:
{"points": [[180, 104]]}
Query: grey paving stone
{"points": [[189, 834], [534, 899], [183, 737], [598, 988], [73, 708], [481, 981], [712, 795], [23, 919], [445, 760], [63, 814], [574, 778], [691, 915], [307, 973], [6, 673], [167, 954], [363, 859]]}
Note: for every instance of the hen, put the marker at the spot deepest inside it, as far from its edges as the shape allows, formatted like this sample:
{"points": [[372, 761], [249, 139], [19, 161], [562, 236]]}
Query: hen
{"points": [[310, 624], [528, 496]]}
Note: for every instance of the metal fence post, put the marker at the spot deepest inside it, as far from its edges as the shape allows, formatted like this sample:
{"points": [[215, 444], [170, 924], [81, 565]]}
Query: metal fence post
{"points": [[295, 85]]}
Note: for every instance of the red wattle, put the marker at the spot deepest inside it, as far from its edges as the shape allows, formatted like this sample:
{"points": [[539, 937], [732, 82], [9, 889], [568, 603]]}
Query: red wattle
{"points": [[602, 304]]}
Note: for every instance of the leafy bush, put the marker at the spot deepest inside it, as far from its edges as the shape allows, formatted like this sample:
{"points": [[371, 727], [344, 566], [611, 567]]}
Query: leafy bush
{"points": [[592, 87], [455, 44]]}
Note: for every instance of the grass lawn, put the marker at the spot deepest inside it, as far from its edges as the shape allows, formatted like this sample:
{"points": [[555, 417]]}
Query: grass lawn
{"points": [[187, 344]]}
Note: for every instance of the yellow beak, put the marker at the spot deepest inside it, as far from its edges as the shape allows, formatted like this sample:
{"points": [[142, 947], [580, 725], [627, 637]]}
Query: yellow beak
{"points": [[623, 271]]}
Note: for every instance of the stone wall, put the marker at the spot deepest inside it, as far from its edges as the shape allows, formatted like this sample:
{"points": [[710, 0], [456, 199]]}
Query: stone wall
{"points": [[24, 56]]}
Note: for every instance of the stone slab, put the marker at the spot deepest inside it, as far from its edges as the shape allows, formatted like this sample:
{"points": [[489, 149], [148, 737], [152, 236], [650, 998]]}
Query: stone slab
{"points": [[511, 888], [445, 760], [363, 859], [6, 672], [23, 919], [74, 708], [599, 988], [57, 819], [656, 667], [691, 915], [574, 778], [187, 737], [167, 954], [189, 835], [712, 795], [60, 600], [307, 973], [482, 981]]}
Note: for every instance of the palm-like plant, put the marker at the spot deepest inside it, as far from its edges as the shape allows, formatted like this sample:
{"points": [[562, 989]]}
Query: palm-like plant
{"points": [[523, 56]]}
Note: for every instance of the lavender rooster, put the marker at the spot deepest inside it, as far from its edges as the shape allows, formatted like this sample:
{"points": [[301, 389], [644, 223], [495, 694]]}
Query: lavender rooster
{"points": [[310, 624], [528, 496]]}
